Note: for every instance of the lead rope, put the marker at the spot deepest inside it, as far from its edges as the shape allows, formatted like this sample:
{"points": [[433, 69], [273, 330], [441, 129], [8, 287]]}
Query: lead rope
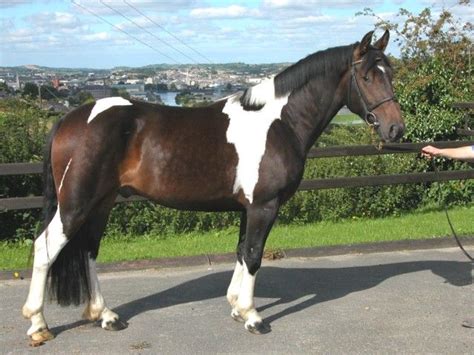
{"points": [[456, 238], [379, 146]]}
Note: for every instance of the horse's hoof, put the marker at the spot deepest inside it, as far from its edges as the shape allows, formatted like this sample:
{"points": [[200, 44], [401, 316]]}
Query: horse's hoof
{"points": [[259, 328], [41, 336], [468, 323], [236, 316], [115, 325]]}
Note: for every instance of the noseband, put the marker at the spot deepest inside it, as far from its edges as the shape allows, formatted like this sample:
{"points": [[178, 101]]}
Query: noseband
{"points": [[369, 116]]}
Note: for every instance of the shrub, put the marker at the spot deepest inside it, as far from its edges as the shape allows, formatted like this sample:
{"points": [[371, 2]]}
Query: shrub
{"points": [[23, 130]]}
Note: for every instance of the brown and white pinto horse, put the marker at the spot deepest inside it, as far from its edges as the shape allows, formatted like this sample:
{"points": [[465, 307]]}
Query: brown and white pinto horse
{"points": [[243, 153]]}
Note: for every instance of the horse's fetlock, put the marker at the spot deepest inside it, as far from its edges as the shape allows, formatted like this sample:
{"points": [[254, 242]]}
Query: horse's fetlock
{"points": [[28, 312], [92, 313]]}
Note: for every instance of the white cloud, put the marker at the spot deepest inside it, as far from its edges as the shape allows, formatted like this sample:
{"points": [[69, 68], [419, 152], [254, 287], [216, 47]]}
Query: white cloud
{"points": [[313, 19], [94, 37], [53, 21], [13, 3], [308, 4], [146, 6], [232, 11]]}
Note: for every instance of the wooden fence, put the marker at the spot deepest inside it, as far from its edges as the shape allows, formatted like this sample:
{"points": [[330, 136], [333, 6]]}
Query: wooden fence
{"points": [[19, 203]]}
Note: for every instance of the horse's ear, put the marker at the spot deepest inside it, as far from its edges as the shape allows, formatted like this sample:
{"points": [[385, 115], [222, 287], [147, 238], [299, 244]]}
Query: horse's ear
{"points": [[363, 46], [383, 41]]}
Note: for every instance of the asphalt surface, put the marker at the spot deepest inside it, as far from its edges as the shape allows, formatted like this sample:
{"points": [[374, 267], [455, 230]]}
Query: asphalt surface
{"points": [[397, 302]]}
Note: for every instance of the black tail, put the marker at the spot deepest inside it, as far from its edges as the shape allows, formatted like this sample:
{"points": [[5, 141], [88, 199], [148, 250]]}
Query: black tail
{"points": [[49, 190], [69, 274]]}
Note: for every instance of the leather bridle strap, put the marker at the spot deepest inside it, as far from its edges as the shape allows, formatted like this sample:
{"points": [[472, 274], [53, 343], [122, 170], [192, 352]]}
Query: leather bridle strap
{"points": [[369, 116]]}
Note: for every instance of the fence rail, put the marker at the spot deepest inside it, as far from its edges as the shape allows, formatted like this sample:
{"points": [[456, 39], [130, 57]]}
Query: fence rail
{"points": [[19, 203]]}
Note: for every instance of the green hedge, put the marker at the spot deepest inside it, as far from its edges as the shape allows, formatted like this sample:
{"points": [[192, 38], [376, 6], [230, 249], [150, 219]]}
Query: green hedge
{"points": [[23, 131]]}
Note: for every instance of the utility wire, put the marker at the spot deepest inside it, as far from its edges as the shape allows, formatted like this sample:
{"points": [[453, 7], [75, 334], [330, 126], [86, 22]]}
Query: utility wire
{"points": [[46, 88], [125, 32], [150, 33], [168, 32]]}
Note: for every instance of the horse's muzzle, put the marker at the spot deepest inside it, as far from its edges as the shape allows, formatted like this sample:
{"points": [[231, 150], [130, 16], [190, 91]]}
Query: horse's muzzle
{"points": [[395, 132]]}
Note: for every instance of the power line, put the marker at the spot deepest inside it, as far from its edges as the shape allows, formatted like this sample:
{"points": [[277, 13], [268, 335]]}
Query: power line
{"points": [[170, 33], [125, 32], [150, 33], [57, 98]]}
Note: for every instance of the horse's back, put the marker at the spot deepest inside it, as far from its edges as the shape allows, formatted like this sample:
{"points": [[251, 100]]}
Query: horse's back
{"points": [[180, 157]]}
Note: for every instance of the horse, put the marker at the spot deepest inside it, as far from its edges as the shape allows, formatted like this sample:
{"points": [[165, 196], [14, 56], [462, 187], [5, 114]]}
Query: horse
{"points": [[244, 153]]}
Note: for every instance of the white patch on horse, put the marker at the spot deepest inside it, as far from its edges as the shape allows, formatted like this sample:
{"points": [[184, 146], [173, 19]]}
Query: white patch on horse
{"points": [[382, 69], [64, 175], [245, 301], [248, 132], [47, 247], [97, 308], [106, 103], [262, 93], [234, 286]]}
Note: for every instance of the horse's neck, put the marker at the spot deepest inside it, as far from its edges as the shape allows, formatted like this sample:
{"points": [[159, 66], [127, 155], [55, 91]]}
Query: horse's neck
{"points": [[310, 109]]}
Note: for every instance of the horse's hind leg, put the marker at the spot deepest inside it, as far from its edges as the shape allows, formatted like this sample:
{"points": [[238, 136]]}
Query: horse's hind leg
{"points": [[260, 218], [96, 309], [47, 247]]}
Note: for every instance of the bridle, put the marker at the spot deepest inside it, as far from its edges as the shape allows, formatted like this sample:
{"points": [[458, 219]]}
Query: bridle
{"points": [[369, 116]]}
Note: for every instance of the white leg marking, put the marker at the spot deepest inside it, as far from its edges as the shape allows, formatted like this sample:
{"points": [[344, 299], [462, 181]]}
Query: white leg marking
{"points": [[235, 283], [97, 308], [47, 247], [245, 302], [64, 175], [104, 104], [248, 132]]}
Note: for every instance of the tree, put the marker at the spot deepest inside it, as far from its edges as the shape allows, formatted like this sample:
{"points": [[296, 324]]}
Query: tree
{"points": [[80, 98], [433, 72], [30, 90], [121, 92], [48, 92], [4, 87], [426, 35]]}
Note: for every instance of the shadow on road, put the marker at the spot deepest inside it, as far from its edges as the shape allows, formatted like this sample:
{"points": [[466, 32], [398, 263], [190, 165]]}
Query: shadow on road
{"points": [[288, 285], [314, 285]]}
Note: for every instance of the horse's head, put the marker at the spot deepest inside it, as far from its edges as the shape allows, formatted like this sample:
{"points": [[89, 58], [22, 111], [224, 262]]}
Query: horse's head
{"points": [[370, 92]]}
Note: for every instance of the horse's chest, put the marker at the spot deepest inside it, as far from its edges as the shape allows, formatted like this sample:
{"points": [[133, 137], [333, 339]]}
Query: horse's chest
{"points": [[248, 132]]}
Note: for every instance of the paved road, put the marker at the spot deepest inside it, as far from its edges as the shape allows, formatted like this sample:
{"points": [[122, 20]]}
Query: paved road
{"points": [[398, 302]]}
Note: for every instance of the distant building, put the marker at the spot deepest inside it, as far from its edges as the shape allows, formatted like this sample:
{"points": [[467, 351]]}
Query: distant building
{"points": [[134, 90], [55, 83], [98, 91]]}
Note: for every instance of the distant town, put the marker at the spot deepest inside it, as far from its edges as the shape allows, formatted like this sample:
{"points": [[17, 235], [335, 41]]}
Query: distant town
{"points": [[60, 89]]}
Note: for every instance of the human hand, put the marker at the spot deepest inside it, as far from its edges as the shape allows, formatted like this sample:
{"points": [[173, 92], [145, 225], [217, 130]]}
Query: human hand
{"points": [[429, 151]]}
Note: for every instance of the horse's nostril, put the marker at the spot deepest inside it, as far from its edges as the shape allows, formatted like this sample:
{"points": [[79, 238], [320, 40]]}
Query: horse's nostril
{"points": [[395, 131]]}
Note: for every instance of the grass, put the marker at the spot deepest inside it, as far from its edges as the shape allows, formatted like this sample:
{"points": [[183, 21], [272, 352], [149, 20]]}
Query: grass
{"points": [[347, 119], [418, 225]]}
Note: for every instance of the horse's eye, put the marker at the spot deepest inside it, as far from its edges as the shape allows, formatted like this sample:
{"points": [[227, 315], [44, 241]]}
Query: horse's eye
{"points": [[366, 77]]}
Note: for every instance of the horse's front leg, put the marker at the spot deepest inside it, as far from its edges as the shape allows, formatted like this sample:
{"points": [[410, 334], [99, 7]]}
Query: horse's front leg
{"points": [[260, 218], [234, 287]]}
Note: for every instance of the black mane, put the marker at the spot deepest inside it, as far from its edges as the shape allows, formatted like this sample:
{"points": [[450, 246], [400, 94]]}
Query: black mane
{"points": [[328, 61]]}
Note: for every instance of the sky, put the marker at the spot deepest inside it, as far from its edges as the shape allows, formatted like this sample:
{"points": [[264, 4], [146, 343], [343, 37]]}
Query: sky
{"points": [[110, 33]]}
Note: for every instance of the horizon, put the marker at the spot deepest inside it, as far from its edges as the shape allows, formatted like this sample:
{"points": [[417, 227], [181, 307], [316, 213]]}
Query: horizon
{"points": [[93, 34], [142, 66]]}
